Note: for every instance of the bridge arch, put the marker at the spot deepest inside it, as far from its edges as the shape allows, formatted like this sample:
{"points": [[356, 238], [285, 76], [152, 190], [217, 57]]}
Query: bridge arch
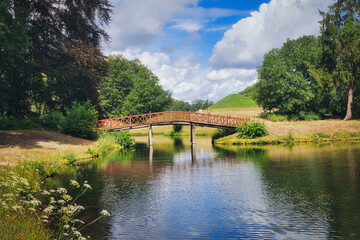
{"points": [[169, 118]]}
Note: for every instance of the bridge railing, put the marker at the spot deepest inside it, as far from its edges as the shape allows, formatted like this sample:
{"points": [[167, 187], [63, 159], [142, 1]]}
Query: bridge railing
{"points": [[169, 116]]}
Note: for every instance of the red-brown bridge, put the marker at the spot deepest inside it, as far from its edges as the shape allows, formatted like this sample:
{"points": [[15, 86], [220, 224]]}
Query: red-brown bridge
{"points": [[168, 118]]}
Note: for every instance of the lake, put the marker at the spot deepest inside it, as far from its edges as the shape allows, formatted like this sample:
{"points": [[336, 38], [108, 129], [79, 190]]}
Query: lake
{"points": [[174, 191]]}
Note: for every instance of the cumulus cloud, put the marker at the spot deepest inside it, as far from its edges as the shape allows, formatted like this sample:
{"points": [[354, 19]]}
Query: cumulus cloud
{"points": [[137, 23], [189, 80], [250, 38]]}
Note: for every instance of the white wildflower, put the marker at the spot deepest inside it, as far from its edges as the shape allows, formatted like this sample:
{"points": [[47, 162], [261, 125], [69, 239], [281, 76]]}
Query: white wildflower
{"points": [[74, 183], [44, 217], [65, 234], [66, 226], [35, 202], [52, 190], [32, 209], [61, 190], [105, 213], [66, 197], [44, 220], [15, 207], [87, 186], [45, 192], [61, 201], [78, 221]]}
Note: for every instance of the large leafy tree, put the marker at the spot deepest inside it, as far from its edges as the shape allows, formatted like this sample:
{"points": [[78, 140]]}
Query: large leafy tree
{"points": [[131, 88], [285, 82], [340, 38], [35, 35]]}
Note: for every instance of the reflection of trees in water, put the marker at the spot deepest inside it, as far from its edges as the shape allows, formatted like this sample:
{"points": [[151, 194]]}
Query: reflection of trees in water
{"points": [[178, 144], [254, 154], [319, 184]]}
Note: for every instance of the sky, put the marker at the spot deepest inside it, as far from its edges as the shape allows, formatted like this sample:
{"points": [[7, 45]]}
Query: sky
{"points": [[205, 49]]}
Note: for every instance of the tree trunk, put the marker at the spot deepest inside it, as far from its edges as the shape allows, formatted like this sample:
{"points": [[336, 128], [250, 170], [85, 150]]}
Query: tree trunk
{"points": [[350, 100]]}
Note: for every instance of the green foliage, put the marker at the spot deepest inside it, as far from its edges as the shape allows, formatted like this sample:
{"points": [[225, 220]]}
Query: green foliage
{"points": [[278, 117], [253, 129], [249, 92], [284, 80], [69, 158], [182, 106], [235, 101], [53, 120], [12, 123], [80, 121], [177, 128], [112, 142], [54, 213], [222, 133], [131, 88], [340, 36], [47, 61], [200, 104], [288, 138]]}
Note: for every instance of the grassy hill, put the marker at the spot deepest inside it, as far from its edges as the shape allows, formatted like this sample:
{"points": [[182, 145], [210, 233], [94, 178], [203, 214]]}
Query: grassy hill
{"points": [[235, 101]]}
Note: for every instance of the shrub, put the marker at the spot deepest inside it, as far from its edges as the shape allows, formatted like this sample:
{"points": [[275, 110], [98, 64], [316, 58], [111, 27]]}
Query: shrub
{"points": [[52, 120], [80, 121], [277, 117], [288, 138], [112, 141], [177, 128], [222, 133], [12, 123], [309, 116], [252, 129]]}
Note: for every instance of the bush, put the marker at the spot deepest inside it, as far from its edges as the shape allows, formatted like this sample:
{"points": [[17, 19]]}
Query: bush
{"points": [[222, 133], [80, 121], [177, 128], [112, 141], [277, 117], [12, 123], [252, 129], [52, 120], [309, 116]]}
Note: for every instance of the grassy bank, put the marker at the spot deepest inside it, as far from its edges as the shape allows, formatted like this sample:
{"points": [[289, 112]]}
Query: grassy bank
{"points": [[301, 132], [312, 138], [28, 210], [40, 145]]}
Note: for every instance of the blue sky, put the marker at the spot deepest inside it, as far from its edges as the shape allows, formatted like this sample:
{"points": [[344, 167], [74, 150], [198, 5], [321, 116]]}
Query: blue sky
{"points": [[206, 49]]}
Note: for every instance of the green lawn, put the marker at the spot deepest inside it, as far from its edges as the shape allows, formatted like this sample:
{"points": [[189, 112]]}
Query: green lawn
{"points": [[234, 101]]}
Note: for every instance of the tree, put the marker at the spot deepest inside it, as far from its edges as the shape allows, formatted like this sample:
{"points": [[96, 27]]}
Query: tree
{"points": [[285, 82], [340, 39], [131, 88], [146, 96], [33, 36]]}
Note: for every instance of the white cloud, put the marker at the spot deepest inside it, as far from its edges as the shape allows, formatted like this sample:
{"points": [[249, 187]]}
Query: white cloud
{"points": [[228, 73], [136, 23], [249, 39]]}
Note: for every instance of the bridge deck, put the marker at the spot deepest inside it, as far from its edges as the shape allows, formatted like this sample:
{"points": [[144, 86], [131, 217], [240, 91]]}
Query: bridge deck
{"points": [[169, 117]]}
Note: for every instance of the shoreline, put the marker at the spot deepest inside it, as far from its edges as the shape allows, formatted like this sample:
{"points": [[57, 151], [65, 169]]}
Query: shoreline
{"points": [[289, 139]]}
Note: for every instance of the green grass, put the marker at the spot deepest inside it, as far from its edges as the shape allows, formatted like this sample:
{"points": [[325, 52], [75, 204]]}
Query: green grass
{"points": [[234, 101], [315, 137]]}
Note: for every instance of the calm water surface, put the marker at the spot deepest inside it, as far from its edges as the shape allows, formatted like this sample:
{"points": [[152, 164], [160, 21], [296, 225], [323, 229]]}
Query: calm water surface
{"points": [[175, 192]]}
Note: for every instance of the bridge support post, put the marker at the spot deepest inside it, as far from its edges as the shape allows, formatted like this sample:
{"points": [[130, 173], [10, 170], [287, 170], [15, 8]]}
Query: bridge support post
{"points": [[192, 134], [150, 136]]}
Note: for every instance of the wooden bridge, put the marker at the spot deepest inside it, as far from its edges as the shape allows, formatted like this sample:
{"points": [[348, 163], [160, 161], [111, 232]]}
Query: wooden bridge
{"points": [[167, 118]]}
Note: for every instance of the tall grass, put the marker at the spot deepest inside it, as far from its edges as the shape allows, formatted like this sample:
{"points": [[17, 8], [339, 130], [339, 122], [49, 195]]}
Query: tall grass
{"points": [[29, 211]]}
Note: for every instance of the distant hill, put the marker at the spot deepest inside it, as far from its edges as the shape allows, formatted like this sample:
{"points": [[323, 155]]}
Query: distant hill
{"points": [[235, 101]]}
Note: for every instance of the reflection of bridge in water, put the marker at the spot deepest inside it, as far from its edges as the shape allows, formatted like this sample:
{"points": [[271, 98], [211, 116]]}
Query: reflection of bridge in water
{"points": [[170, 118]]}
